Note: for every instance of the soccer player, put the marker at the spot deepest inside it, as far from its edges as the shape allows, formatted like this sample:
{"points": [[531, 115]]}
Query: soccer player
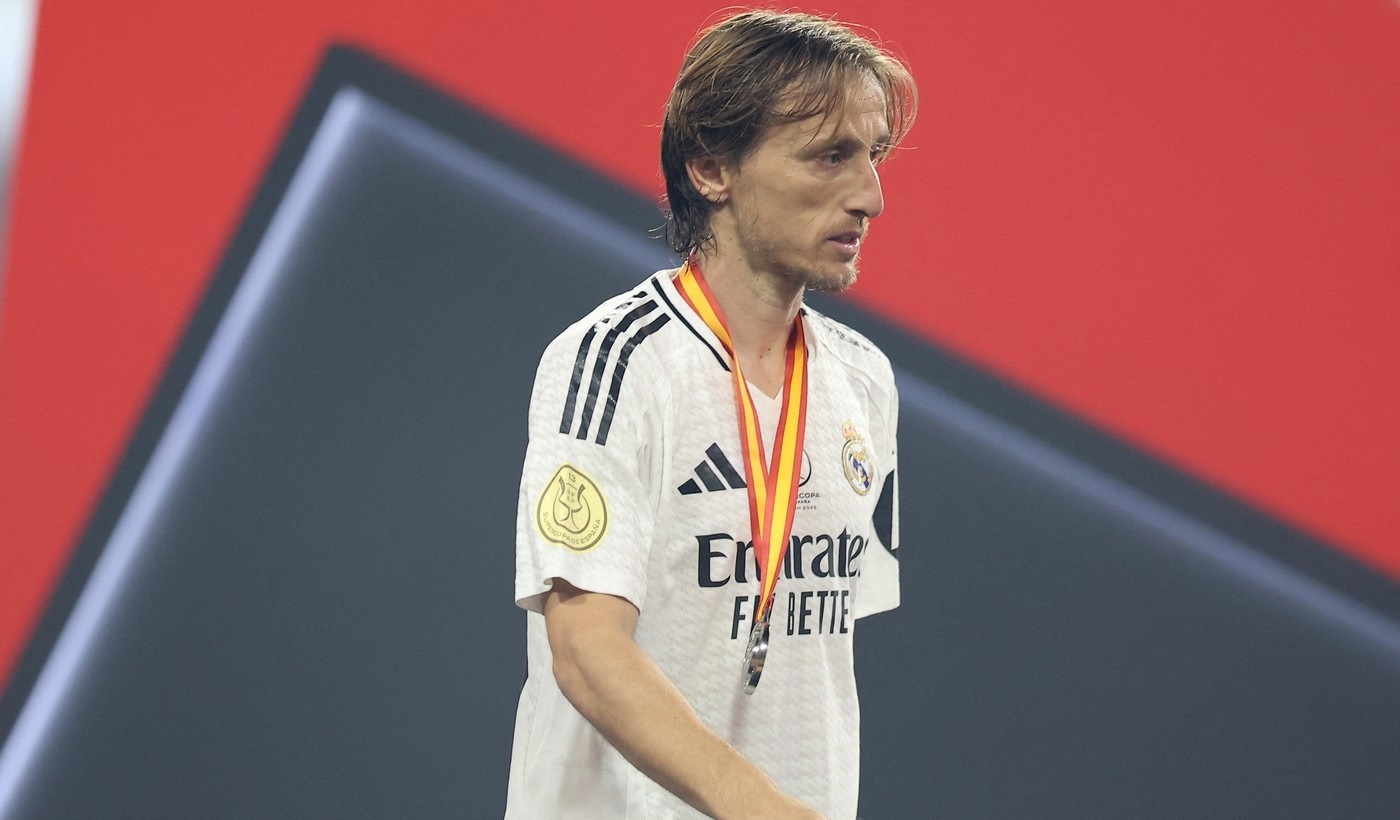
{"points": [[708, 498]]}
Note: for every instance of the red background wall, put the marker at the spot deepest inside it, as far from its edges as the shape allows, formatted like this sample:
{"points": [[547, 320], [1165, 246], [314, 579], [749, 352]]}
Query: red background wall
{"points": [[1179, 221]]}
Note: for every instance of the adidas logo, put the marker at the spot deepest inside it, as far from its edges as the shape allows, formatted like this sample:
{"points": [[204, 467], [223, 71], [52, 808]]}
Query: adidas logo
{"points": [[715, 473]]}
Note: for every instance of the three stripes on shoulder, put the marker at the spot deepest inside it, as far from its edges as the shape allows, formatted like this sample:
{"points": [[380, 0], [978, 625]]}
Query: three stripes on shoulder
{"points": [[636, 325]]}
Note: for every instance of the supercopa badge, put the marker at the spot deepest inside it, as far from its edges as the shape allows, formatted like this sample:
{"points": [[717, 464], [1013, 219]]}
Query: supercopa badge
{"points": [[572, 512], [856, 461]]}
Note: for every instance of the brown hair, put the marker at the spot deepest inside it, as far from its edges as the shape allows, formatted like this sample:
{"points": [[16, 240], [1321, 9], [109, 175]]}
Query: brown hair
{"points": [[750, 71]]}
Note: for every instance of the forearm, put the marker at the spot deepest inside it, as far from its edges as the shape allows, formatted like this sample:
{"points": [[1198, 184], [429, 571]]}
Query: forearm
{"points": [[623, 693]]}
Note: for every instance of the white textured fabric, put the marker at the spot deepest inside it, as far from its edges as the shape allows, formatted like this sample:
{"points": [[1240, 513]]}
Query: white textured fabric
{"points": [[633, 486]]}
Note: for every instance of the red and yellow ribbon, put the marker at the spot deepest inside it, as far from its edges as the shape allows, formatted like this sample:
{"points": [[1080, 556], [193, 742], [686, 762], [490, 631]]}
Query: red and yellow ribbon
{"points": [[772, 486]]}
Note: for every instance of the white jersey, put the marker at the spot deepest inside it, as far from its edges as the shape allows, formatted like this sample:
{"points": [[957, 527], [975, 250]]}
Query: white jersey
{"points": [[633, 485]]}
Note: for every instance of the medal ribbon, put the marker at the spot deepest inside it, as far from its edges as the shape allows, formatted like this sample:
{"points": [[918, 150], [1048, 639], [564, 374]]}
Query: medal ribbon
{"points": [[772, 487]]}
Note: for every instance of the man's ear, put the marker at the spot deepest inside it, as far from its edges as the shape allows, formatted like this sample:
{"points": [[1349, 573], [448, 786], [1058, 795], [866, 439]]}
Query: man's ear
{"points": [[710, 176]]}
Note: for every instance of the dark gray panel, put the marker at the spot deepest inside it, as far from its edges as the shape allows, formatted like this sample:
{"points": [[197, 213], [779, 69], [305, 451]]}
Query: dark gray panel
{"points": [[1058, 655], [317, 621]]}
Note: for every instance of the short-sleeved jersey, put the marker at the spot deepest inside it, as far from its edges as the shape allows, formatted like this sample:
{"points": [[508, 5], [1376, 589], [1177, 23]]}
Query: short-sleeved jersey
{"points": [[634, 486]]}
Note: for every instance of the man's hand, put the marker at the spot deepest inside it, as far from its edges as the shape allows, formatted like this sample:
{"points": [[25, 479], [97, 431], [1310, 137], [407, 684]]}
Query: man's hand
{"points": [[622, 692]]}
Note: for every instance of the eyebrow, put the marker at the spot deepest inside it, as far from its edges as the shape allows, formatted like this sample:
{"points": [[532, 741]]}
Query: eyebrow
{"points": [[851, 142]]}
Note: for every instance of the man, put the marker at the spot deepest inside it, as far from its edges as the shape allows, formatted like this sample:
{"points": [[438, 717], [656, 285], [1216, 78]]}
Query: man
{"points": [[710, 473]]}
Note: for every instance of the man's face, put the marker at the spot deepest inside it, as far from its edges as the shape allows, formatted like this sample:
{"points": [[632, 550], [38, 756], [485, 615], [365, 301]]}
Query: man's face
{"points": [[802, 201]]}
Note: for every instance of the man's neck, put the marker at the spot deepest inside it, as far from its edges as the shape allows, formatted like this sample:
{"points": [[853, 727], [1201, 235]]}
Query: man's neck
{"points": [[759, 308]]}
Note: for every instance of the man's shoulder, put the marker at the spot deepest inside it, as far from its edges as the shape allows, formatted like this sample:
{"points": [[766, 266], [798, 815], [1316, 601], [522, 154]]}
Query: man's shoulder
{"points": [[848, 346], [641, 330], [628, 317], [608, 366]]}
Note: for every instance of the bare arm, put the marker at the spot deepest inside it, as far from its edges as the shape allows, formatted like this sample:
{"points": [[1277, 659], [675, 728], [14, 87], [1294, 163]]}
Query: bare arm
{"points": [[622, 692]]}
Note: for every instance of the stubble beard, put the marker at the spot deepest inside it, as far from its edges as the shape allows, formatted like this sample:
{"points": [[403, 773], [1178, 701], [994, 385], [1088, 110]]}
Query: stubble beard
{"points": [[763, 254], [814, 281]]}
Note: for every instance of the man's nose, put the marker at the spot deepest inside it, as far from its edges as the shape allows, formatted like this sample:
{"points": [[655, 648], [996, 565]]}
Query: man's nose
{"points": [[867, 199]]}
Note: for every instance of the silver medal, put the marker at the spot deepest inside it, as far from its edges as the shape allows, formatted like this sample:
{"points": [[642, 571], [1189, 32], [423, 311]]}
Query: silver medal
{"points": [[756, 654]]}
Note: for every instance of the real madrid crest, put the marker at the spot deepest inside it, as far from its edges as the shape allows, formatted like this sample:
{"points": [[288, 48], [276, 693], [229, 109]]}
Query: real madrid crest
{"points": [[572, 512], [856, 460]]}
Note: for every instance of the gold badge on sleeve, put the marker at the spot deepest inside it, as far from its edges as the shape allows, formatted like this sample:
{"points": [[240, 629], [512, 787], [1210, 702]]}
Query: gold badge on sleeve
{"points": [[571, 511]]}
